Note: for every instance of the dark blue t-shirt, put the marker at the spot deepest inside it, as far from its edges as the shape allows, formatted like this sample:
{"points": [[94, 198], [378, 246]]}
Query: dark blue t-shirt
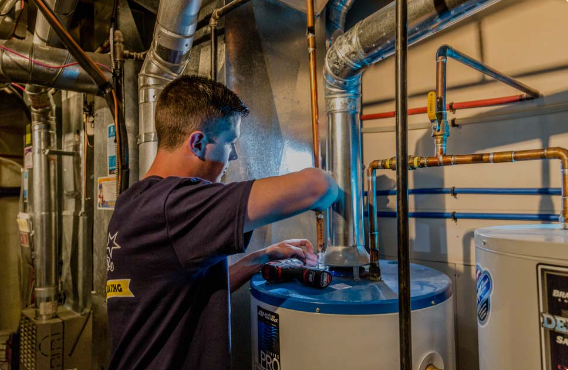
{"points": [[167, 283]]}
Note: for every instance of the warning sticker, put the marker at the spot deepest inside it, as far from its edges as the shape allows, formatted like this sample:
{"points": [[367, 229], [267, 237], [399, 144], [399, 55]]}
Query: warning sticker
{"points": [[553, 312], [106, 192], [484, 291], [28, 157], [111, 149], [268, 357]]}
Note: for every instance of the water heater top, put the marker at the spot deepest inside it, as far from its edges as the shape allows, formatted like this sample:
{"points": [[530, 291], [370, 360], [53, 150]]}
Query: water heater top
{"points": [[539, 241], [346, 296]]}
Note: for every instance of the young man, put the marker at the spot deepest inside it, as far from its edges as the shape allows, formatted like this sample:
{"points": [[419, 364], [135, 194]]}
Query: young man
{"points": [[169, 237]]}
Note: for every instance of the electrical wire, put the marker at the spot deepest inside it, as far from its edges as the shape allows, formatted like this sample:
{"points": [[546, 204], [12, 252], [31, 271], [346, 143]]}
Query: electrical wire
{"points": [[118, 142], [47, 65], [18, 86]]}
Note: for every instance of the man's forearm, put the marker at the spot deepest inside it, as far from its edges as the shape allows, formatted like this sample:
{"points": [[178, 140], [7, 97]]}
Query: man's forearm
{"points": [[241, 271]]}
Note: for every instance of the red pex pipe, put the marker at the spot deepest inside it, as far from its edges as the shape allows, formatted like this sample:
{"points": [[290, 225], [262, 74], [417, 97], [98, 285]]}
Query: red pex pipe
{"points": [[454, 106]]}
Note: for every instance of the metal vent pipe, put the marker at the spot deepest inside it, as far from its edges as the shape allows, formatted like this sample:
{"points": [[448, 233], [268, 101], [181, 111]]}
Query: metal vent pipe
{"points": [[14, 68], [44, 189], [166, 60], [368, 42], [336, 14]]}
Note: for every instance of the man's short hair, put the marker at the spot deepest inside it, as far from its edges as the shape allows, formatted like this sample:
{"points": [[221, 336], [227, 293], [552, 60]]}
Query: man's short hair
{"points": [[194, 103]]}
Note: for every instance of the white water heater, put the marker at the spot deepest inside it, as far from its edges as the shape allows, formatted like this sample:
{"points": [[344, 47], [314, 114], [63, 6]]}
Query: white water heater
{"points": [[522, 297], [351, 324]]}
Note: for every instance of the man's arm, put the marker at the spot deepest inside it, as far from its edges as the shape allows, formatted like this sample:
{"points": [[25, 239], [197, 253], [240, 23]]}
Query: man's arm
{"points": [[241, 271], [276, 198]]}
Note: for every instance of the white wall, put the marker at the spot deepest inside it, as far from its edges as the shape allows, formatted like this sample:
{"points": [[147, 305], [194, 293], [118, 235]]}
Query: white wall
{"points": [[524, 38]]}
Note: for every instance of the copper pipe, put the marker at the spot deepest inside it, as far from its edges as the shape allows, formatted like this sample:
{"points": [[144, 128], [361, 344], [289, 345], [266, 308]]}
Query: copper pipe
{"points": [[453, 107], [440, 128], [311, 38], [495, 157], [374, 268]]}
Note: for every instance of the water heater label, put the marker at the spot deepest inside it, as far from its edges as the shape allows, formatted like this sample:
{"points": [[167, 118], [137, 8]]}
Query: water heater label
{"points": [[553, 316], [484, 291], [268, 357]]}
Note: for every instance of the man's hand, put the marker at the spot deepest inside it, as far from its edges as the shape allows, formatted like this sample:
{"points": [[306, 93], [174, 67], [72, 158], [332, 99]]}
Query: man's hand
{"points": [[301, 249], [241, 271]]}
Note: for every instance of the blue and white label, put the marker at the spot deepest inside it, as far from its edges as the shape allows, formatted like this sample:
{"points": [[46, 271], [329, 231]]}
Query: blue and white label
{"points": [[484, 291], [111, 149]]}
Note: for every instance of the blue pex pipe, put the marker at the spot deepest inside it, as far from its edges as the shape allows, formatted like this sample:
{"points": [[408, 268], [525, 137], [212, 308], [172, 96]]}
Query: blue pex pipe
{"points": [[476, 216], [495, 191]]}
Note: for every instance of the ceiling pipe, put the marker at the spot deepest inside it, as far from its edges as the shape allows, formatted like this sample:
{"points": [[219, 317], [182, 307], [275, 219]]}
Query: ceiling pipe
{"points": [[5, 8], [336, 14], [43, 33], [368, 42], [166, 60], [16, 69]]}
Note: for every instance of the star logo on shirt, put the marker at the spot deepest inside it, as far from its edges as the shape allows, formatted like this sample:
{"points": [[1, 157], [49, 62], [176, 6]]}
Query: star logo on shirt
{"points": [[114, 244]]}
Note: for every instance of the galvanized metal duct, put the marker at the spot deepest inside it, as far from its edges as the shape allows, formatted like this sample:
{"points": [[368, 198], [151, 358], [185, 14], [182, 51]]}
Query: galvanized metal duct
{"points": [[44, 188], [368, 42], [43, 33], [44, 201], [336, 14], [5, 8], [17, 69], [166, 60]]}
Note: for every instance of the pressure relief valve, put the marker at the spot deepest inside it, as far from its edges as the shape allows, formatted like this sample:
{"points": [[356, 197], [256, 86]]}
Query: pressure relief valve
{"points": [[288, 270]]}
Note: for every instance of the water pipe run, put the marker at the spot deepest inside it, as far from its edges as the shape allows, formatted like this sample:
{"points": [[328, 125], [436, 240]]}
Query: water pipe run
{"points": [[482, 191], [453, 107], [311, 39], [440, 127], [416, 162], [476, 216]]}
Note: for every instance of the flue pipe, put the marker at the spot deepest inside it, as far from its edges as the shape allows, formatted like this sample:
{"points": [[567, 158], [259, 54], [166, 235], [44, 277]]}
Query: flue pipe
{"points": [[44, 201], [14, 68], [5, 8], [216, 16], [367, 42], [44, 189], [336, 14], [166, 60], [43, 33], [440, 127]]}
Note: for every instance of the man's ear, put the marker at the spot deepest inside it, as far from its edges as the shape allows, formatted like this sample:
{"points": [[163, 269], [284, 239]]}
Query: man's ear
{"points": [[197, 144]]}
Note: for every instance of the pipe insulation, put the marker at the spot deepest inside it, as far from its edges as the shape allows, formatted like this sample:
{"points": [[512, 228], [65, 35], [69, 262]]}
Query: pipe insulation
{"points": [[19, 70], [166, 60], [369, 41]]}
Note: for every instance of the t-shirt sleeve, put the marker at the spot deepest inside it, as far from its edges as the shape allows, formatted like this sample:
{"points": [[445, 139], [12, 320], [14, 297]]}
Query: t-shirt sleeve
{"points": [[205, 221]]}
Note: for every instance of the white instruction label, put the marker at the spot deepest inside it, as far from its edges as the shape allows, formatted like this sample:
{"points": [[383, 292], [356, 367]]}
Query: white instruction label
{"points": [[106, 192]]}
